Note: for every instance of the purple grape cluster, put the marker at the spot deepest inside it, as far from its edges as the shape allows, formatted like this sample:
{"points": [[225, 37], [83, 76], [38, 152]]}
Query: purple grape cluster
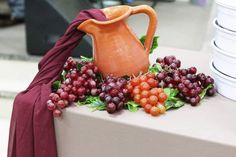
{"points": [[114, 93], [77, 85], [187, 81]]}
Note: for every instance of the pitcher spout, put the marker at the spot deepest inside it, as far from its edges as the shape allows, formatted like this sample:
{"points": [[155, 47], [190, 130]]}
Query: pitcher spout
{"points": [[88, 26]]}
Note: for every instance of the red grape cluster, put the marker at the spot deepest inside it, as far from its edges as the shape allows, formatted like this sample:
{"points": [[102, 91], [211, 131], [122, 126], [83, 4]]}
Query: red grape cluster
{"points": [[70, 64], [114, 93], [77, 84], [187, 81]]}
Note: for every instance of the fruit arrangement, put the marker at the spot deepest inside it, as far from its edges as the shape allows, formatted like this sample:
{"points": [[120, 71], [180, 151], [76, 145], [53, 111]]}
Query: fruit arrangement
{"points": [[165, 86]]}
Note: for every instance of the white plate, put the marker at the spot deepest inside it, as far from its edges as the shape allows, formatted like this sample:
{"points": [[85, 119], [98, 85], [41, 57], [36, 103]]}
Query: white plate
{"points": [[223, 61], [231, 4], [226, 14], [225, 39], [225, 85]]}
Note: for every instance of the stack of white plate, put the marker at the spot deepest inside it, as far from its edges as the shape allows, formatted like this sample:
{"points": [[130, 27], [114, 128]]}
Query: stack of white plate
{"points": [[224, 45]]}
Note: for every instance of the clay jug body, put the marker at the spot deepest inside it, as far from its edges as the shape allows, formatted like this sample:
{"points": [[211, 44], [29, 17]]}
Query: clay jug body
{"points": [[116, 49]]}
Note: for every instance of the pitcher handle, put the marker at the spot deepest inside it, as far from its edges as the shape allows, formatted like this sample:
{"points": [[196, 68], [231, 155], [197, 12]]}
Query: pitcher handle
{"points": [[152, 23]]}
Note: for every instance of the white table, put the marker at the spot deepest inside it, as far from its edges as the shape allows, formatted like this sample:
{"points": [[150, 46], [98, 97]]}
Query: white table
{"points": [[208, 130]]}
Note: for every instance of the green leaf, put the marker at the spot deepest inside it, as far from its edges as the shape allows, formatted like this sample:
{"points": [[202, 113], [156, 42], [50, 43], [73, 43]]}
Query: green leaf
{"points": [[204, 91], [156, 68], [178, 104], [88, 100], [132, 106], [56, 85], [167, 91], [79, 66], [93, 102], [171, 92], [154, 42], [97, 105], [86, 59], [169, 105], [63, 75], [172, 102], [142, 39]]}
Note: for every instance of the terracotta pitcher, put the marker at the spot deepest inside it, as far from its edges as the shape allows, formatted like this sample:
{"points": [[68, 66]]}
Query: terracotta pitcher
{"points": [[116, 49]]}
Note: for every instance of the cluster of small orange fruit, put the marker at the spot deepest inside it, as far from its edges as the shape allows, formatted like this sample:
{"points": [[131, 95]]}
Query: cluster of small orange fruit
{"points": [[143, 90]]}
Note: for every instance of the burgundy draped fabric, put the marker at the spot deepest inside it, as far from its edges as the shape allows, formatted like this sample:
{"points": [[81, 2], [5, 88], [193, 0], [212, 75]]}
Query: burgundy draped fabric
{"points": [[32, 131]]}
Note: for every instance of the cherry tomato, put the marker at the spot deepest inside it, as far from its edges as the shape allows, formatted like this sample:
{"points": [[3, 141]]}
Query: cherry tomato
{"points": [[144, 86], [143, 78], [162, 97], [143, 101], [137, 98], [154, 111], [153, 100], [160, 90], [154, 91], [150, 75], [147, 108], [138, 86], [136, 91], [152, 82], [155, 84], [135, 81], [145, 94], [162, 108]]}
